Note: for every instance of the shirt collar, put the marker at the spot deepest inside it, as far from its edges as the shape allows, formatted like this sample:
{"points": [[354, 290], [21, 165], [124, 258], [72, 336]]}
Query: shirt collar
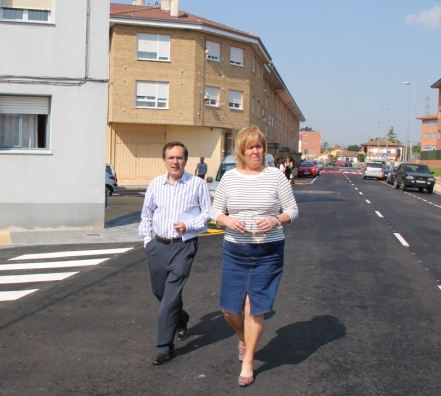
{"points": [[184, 178]]}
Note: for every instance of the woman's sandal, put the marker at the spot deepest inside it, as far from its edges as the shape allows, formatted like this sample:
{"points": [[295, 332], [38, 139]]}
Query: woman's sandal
{"points": [[242, 352], [245, 381]]}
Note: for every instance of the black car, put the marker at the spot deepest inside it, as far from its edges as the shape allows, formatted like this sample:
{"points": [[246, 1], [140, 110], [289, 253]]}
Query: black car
{"points": [[414, 176], [391, 175]]}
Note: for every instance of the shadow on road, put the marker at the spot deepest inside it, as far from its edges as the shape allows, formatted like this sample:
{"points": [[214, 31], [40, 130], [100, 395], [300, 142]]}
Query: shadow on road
{"points": [[296, 342]]}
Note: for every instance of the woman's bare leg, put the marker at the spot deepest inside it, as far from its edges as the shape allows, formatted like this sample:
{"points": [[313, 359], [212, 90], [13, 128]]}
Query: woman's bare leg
{"points": [[237, 323], [253, 329]]}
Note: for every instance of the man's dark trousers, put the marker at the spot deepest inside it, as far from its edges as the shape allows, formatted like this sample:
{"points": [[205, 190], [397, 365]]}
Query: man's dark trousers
{"points": [[169, 267]]}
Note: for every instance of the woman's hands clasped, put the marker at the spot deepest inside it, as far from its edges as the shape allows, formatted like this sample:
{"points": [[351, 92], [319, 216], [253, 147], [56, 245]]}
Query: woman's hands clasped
{"points": [[264, 224]]}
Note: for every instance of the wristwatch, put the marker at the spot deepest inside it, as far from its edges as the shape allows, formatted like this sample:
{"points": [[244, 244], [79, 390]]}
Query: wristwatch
{"points": [[279, 223]]}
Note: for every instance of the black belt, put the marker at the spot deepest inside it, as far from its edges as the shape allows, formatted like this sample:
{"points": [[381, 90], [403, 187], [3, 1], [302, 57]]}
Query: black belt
{"points": [[168, 241]]}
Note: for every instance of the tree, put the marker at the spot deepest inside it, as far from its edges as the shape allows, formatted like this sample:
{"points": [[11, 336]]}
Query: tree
{"points": [[392, 136], [361, 157], [354, 147]]}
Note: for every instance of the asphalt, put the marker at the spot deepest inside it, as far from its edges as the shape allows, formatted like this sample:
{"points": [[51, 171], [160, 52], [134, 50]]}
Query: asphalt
{"points": [[122, 216]]}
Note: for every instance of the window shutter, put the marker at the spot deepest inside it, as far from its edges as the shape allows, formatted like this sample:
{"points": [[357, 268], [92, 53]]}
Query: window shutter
{"points": [[236, 97], [24, 104], [212, 92], [163, 47], [147, 42], [146, 88], [162, 90], [236, 56], [213, 50], [28, 4]]}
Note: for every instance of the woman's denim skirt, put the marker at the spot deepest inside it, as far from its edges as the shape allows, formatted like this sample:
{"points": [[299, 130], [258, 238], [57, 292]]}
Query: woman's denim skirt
{"points": [[254, 269]]}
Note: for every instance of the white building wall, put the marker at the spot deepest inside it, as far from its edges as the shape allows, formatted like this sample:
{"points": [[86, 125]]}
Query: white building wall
{"points": [[63, 185]]}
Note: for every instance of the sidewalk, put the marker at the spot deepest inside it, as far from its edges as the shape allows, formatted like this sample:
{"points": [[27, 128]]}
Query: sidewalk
{"points": [[122, 217]]}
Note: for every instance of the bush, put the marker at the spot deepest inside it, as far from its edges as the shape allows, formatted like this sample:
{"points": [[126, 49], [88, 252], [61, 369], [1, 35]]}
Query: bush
{"points": [[437, 171]]}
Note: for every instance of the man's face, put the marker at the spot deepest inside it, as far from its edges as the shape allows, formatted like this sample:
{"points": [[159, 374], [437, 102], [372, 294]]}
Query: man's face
{"points": [[175, 161], [202, 159]]}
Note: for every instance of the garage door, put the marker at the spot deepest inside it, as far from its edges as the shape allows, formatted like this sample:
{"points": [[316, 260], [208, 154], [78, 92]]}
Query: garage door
{"points": [[138, 153]]}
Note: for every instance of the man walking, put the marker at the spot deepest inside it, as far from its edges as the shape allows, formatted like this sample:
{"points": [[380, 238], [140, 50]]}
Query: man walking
{"points": [[170, 241], [201, 169]]}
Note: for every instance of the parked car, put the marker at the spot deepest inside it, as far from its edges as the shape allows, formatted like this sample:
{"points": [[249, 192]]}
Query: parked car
{"points": [[391, 175], [308, 168], [339, 163], [331, 163], [386, 170], [348, 164], [318, 164], [372, 169], [229, 162], [414, 176], [111, 181]]}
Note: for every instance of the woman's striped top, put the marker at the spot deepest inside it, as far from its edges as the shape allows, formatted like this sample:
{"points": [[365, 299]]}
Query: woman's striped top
{"points": [[251, 197]]}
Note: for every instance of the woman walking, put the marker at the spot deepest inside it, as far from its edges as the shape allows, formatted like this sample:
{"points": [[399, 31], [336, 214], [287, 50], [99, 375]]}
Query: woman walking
{"points": [[253, 250]]}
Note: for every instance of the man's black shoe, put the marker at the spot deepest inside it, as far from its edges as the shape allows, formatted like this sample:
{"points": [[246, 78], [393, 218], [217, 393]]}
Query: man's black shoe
{"points": [[163, 358], [181, 333]]}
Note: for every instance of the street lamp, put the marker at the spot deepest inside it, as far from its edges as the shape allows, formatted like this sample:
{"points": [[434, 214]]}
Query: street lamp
{"points": [[408, 111], [387, 132]]}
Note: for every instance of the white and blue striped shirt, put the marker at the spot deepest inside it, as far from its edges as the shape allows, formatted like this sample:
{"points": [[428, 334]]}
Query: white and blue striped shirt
{"points": [[164, 202]]}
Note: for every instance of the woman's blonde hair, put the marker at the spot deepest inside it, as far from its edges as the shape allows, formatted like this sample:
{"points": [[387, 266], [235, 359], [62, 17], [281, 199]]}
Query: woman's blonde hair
{"points": [[248, 136]]}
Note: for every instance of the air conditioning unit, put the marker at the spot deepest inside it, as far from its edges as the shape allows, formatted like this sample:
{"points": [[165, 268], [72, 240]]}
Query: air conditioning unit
{"points": [[264, 90]]}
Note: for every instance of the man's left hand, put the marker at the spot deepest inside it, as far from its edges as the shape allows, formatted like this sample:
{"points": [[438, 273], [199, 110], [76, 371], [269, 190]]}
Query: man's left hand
{"points": [[180, 228]]}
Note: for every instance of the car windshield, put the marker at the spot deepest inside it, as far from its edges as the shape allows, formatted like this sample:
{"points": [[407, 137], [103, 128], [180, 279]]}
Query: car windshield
{"points": [[374, 165], [417, 168], [223, 168], [306, 164]]}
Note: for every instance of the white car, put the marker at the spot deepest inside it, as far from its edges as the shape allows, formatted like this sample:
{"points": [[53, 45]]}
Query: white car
{"points": [[111, 180], [229, 162]]}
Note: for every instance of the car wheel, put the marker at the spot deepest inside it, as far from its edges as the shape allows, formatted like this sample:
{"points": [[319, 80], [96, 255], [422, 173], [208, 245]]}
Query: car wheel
{"points": [[363, 177], [396, 185], [430, 190], [420, 189], [109, 191]]}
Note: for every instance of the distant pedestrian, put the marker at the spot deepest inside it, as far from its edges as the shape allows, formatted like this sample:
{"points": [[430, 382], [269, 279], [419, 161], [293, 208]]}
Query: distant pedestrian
{"points": [[282, 165], [288, 170], [171, 241], [201, 169], [253, 195]]}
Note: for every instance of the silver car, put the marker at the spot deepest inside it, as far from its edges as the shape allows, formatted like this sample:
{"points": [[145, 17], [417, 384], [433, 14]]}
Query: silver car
{"points": [[111, 180], [373, 169]]}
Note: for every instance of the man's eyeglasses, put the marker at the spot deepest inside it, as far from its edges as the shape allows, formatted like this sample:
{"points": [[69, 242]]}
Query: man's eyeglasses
{"points": [[180, 159]]}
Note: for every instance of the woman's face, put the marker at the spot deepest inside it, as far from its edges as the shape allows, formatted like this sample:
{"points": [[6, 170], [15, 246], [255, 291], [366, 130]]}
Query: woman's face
{"points": [[254, 154]]}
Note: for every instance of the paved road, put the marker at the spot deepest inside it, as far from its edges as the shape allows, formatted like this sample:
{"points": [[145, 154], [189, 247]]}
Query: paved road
{"points": [[357, 312]]}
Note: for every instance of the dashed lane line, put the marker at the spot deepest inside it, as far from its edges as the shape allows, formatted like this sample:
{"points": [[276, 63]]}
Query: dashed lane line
{"points": [[368, 201], [15, 295], [70, 254], [379, 214], [10, 279], [360, 193], [52, 264], [401, 239]]}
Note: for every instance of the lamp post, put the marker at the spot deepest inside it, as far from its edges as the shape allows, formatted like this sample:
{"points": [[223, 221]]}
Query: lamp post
{"points": [[408, 111], [387, 132]]}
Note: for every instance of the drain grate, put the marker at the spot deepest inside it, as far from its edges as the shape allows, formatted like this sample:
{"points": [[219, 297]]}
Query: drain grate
{"points": [[93, 235]]}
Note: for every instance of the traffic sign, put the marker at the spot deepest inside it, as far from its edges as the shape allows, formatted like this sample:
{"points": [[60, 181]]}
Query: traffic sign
{"points": [[384, 155]]}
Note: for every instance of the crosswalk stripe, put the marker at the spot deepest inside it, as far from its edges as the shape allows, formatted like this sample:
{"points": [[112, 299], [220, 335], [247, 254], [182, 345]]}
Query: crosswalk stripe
{"points": [[52, 264], [10, 279], [15, 295], [70, 254]]}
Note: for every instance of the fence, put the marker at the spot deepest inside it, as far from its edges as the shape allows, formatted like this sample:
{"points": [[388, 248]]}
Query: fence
{"points": [[431, 155]]}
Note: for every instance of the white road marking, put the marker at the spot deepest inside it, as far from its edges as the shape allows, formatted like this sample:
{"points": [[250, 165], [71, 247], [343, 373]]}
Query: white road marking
{"points": [[52, 264], [9, 279], [424, 200], [313, 180], [356, 188], [142, 193], [401, 239], [368, 201], [360, 193], [378, 213], [15, 295], [70, 254], [439, 287]]}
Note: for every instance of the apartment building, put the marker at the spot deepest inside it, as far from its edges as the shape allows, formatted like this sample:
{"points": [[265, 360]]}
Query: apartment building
{"points": [[437, 85], [382, 149], [310, 143], [429, 132], [53, 111], [178, 76]]}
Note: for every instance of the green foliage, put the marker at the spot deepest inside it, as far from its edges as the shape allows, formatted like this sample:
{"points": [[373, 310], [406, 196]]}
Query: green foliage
{"points": [[360, 157], [353, 147], [436, 171]]}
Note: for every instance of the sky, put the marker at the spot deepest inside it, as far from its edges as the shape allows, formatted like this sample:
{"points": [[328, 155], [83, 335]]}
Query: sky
{"points": [[344, 61]]}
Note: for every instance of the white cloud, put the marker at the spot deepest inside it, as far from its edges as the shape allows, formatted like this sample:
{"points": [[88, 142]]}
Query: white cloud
{"points": [[426, 19]]}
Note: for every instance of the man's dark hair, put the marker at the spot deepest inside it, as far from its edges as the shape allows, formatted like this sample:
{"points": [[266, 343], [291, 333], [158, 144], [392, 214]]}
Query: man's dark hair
{"points": [[170, 145]]}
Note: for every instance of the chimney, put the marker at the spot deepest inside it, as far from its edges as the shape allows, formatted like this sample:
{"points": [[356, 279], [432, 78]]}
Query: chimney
{"points": [[174, 9], [165, 5], [139, 2]]}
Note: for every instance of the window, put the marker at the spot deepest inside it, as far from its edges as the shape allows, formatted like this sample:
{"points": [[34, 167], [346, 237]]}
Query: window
{"points": [[213, 51], [236, 56], [252, 104], [235, 100], [24, 121], [152, 94], [254, 64], [431, 122], [211, 97], [429, 148], [154, 47], [430, 135], [29, 11], [258, 109], [259, 66], [266, 102]]}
